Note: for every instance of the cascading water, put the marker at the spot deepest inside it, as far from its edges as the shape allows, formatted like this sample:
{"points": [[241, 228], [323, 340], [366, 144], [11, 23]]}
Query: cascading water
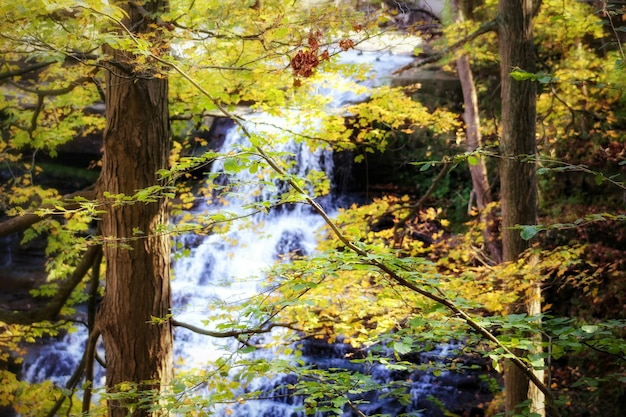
{"points": [[224, 269], [228, 268]]}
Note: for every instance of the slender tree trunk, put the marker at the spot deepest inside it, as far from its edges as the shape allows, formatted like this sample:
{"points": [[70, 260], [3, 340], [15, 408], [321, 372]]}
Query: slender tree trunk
{"points": [[478, 172], [136, 145], [517, 171]]}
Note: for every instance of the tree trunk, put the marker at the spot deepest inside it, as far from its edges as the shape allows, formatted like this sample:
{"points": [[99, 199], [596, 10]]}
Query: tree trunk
{"points": [[517, 171], [480, 182], [136, 145]]}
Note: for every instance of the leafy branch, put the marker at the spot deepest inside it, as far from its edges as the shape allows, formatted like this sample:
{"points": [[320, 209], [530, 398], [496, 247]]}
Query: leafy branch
{"points": [[25, 220]]}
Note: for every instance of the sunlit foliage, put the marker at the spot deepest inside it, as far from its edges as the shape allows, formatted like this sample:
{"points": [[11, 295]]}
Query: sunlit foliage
{"points": [[276, 59]]}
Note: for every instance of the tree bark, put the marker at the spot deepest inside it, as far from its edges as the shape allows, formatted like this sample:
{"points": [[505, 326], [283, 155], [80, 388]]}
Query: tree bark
{"points": [[478, 172], [136, 145], [517, 146]]}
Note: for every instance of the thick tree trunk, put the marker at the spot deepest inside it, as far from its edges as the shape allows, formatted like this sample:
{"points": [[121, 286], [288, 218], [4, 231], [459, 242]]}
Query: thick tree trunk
{"points": [[136, 145], [517, 171]]}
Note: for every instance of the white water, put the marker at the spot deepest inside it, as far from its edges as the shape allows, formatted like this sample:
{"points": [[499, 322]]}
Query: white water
{"points": [[220, 271], [229, 268]]}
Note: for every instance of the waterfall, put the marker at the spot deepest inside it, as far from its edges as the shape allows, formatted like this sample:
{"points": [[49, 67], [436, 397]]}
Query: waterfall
{"points": [[224, 269], [228, 268]]}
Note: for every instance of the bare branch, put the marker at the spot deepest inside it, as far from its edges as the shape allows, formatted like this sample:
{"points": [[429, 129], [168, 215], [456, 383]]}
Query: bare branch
{"points": [[55, 92], [231, 333], [21, 71], [94, 332]]}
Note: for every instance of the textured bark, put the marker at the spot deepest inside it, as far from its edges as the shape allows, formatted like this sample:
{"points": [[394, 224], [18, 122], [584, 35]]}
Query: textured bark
{"points": [[517, 171], [136, 145]]}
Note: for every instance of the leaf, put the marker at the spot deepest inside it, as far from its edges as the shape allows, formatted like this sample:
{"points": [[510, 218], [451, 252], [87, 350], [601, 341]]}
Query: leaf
{"points": [[599, 178], [472, 160], [521, 75], [589, 328], [528, 232], [231, 166], [402, 348], [545, 79]]}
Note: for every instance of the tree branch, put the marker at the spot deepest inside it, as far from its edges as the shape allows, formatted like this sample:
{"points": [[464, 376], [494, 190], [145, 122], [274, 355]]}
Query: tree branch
{"points": [[231, 333], [94, 332], [53, 307], [56, 92], [24, 221], [21, 71]]}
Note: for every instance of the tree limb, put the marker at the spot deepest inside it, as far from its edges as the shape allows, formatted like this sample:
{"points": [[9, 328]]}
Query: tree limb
{"points": [[54, 92], [21, 71], [231, 333], [24, 221], [94, 332], [53, 307]]}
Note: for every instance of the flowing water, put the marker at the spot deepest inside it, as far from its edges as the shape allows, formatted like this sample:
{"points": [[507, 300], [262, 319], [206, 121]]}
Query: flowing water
{"points": [[225, 269]]}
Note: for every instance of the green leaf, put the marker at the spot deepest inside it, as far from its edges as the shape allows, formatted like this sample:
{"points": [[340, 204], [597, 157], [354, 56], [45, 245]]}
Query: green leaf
{"points": [[231, 166], [248, 349], [528, 232], [588, 328], [472, 160], [402, 348], [599, 179], [545, 79], [521, 75]]}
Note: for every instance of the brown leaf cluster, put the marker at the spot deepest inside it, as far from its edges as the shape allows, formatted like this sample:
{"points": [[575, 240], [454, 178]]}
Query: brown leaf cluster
{"points": [[306, 61]]}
